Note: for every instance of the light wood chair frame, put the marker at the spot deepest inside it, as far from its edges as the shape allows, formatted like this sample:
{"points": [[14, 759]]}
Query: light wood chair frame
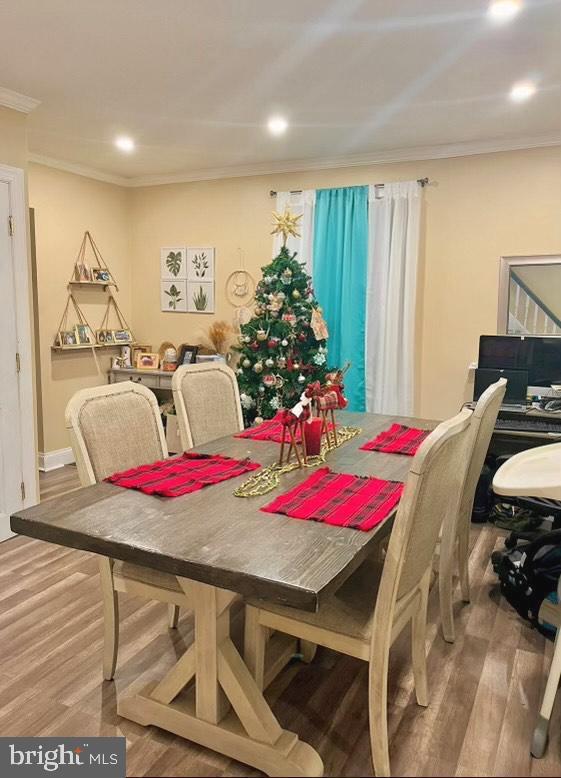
{"points": [[182, 372], [391, 613], [112, 584], [454, 542]]}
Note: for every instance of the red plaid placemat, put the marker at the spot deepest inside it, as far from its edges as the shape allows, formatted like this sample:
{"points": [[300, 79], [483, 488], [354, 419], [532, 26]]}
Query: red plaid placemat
{"points": [[182, 475], [270, 430], [398, 439], [339, 498]]}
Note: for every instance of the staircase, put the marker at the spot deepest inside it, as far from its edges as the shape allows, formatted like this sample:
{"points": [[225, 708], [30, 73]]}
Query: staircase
{"points": [[527, 313]]}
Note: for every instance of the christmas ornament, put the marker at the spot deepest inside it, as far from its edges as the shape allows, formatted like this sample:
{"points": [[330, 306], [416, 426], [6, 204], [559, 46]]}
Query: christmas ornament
{"points": [[246, 362], [270, 362], [239, 371], [258, 310], [296, 365], [272, 343], [290, 318], [296, 294], [301, 337], [301, 378], [281, 362], [258, 367], [318, 325], [269, 381], [258, 420], [261, 390], [254, 346], [284, 342], [286, 224], [261, 335], [246, 339], [286, 276]]}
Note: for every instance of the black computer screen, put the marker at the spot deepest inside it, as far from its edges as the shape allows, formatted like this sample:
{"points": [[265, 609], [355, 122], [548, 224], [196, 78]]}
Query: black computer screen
{"points": [[540, 356]]}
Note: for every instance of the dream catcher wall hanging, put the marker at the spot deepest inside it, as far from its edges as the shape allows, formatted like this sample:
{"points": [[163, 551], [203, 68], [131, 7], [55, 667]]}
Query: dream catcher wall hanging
{"points": [[240, 292]]}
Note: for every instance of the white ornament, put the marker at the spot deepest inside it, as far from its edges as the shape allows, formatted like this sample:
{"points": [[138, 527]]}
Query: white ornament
{"points": [[274, 402], [319, 358], [301, 378], [258, 420], [246, 362], [246, 401], [246, 339], [284, 342], [258, 367], [270, 362]]}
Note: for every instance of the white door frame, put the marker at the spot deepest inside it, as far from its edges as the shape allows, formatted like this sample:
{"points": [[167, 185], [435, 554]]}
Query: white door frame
{"points": [[15, 178]]}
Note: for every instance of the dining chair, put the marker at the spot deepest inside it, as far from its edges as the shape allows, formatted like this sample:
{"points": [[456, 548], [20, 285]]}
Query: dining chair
{"points": [[454, 541], [207, 403], [367, 613], [112, 428]]}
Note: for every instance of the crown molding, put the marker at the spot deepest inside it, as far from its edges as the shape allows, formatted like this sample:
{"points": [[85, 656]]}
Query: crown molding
{"points": [[79, 170], [413, 154], [17, 101]]}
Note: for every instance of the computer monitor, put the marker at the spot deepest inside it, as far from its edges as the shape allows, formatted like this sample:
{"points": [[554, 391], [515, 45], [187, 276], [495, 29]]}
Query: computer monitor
{"points": [[540, 356], [516, 387]]}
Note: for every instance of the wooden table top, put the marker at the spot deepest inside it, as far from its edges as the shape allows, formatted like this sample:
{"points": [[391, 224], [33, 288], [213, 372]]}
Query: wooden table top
{"points": [[217, 538]]}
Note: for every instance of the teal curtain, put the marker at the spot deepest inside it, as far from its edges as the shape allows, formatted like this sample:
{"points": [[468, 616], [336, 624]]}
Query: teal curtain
{"points": [[339, 276]]}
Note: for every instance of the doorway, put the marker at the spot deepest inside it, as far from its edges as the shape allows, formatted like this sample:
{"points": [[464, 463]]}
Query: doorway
{"points": [[18, 476]]}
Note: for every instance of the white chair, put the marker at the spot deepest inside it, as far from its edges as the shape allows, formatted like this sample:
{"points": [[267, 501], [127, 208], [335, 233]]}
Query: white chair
{"points": [[552, 614], [207, 403], [112, 428], [454, 542], [364, 617]]}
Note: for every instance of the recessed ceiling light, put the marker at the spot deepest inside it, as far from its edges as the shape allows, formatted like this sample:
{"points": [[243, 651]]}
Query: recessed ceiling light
{"points": [[522, 90], [277, 125], [125, 143], [504, 10]]}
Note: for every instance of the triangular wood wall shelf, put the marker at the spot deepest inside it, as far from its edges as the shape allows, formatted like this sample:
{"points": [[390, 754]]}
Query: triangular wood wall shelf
{"points": [[96, 274]]}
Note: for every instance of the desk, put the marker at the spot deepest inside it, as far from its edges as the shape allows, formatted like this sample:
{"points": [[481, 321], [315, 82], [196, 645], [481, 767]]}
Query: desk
{"points": [[219, 545]]}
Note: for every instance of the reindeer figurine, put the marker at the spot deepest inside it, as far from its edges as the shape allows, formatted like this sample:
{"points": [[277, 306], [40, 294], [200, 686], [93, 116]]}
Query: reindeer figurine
{"points": [[292, 421]]}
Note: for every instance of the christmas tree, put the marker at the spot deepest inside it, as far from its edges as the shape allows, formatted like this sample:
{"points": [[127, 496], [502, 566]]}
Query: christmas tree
{"points": [[283, 347]]}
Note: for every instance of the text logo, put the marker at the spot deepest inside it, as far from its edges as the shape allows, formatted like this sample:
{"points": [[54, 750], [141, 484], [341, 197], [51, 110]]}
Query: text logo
{"points": [[28, 757]]}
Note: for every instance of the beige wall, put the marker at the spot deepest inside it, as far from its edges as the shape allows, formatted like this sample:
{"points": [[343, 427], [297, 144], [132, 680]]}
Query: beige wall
{"points": [[477, 209], [65, 206], [13, 138]]}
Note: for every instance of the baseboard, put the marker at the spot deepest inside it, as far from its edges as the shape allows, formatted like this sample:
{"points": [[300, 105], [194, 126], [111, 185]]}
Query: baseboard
{"points": [[51, 460]]}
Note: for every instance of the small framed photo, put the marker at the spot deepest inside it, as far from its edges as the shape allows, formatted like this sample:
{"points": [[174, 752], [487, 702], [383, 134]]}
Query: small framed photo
{"points": [[84, 336], [200, 297], [122, 336], [200, 264], [82, 272], [67, 338], [105, 337], [172, 263], [147, 361], [173, 296], [100, 274], [187, 355]]}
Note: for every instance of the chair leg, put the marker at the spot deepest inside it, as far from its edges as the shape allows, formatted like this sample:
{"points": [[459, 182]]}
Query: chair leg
{"points": [[463, 562], [540, 736], [110, 618], [173, 615], [378, 716], [445, 578], [307, 650], [255, 641], [418, 643]]}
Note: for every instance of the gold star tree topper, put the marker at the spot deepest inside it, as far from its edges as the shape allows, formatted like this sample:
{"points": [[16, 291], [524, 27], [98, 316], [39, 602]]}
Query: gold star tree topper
{"points": [[286, 224]]}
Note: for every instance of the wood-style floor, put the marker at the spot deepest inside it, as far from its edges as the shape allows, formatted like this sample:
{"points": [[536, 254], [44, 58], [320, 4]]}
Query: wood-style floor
{"points": [[485, 689]]}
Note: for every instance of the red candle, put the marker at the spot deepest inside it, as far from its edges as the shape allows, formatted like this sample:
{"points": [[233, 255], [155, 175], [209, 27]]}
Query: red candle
{"points": [[312, 436]]}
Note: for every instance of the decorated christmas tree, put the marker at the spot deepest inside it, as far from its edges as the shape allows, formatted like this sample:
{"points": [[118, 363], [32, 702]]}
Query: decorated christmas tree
{"points": [[283, 347]]}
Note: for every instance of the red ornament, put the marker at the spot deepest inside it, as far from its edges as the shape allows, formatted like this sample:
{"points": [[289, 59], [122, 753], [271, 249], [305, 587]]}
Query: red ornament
{"points": [[301, 337], [272, 343], [254, 346]]}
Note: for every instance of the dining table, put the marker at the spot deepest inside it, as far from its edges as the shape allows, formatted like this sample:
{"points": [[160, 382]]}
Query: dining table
{"points": [[222, 548]]}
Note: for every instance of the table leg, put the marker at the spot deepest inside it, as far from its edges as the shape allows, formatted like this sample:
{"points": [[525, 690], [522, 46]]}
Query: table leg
{"points": [[226, 711]]}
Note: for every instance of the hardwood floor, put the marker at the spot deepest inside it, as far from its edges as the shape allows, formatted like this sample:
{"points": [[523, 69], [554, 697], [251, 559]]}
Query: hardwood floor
{"points": [[485, 689]]}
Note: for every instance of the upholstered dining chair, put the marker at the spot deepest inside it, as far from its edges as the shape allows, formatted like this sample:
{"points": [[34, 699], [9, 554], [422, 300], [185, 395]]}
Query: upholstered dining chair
{"points": [[454, 541], [116, 427], [364, 617], [207, 403]]}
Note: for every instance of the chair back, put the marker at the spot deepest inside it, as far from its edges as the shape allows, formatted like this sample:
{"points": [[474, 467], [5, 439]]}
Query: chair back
{"points": [[433, 488], [482, 425], [114, 427], [207, 403]]}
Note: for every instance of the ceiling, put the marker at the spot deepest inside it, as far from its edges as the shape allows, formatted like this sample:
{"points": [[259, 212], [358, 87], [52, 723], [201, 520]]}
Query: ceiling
{"points": [[194, 81]]}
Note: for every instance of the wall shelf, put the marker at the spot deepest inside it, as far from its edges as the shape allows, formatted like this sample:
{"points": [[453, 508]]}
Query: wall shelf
{"points": [[102, 284]]}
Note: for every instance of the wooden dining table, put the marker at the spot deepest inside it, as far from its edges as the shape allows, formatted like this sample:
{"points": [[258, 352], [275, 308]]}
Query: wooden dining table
{"points": [[219, 547]]}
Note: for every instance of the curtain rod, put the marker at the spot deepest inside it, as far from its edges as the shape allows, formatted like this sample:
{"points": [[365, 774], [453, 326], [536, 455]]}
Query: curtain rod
{"points": [[420, 181]]}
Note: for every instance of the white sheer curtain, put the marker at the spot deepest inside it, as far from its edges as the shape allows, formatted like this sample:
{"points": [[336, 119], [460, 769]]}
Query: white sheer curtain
{"points": [[394, 224], [298, 203]]}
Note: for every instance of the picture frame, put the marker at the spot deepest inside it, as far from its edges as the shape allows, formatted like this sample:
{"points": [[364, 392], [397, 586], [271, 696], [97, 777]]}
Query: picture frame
{"points": [[67, 338], [173, 296], [147, 361], [173, 265], [84, 335], [105, 337], [122, 336], [200, 264], [140, 349], [82, 272], [200, 297], [187, 355], [101, 274]]}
